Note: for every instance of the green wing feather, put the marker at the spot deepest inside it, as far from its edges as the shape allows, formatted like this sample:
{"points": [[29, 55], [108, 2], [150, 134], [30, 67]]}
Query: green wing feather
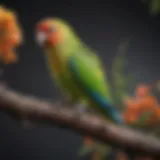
{"points": [[91, 79], [97, 62], [90, 71]]}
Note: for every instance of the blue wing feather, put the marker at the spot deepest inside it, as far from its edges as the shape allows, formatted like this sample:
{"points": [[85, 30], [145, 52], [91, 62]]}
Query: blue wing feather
{"points": [[92, 94]]}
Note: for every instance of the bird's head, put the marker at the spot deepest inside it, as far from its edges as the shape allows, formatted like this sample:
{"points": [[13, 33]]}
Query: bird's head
{"points": [[52, 32]]}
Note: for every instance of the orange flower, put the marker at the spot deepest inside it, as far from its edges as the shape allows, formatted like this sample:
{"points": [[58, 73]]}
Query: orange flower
{"points": [[9, 57], [133, 110], [131, 103], [143, 102], [10, 36], [156, 116], [157, 110], [149, 103], [142, 90], [130, 117]]}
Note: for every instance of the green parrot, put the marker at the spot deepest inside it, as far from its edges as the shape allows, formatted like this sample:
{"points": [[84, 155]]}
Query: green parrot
{"points": [[76, 69]]}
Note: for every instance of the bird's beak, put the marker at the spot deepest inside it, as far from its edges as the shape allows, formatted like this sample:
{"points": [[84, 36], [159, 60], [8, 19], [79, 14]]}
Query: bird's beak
{"points": [[41, 38]]}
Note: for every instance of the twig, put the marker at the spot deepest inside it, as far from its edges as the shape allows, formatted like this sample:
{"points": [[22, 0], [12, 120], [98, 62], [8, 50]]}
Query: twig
{"points": [[94, 126]]}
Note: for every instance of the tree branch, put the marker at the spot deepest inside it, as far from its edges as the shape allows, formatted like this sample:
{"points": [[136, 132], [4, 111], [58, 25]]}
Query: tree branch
{"points": [[94, 126]]}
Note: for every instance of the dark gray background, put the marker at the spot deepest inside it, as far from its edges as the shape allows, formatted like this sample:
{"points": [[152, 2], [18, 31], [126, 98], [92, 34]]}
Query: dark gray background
{"points": [[100, 25]]}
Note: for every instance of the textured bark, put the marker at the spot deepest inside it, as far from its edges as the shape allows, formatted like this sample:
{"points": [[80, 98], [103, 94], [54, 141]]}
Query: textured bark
{"points": [[36, 109]]}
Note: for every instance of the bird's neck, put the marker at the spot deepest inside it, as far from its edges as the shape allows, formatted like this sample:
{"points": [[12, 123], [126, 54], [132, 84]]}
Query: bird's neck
{"points": [[57, 57]]}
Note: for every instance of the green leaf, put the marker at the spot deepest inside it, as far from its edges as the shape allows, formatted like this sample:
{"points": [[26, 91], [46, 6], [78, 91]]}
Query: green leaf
{"points": [[121, 80], [154, 7]]}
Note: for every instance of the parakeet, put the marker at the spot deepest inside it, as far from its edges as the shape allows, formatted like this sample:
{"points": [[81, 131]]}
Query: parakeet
{"points": [[76, 69]]}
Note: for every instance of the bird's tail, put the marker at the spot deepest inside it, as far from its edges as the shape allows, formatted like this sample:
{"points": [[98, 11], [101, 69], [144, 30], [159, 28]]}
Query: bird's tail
{"points": [[117, 117], [113, 113]]}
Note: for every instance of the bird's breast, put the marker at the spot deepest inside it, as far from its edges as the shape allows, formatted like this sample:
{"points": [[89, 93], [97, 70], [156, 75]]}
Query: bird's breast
{"points": [[54, 63]]}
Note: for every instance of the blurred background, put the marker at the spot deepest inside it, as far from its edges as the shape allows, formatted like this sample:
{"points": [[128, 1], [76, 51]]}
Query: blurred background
{"points": [[103, 26]]}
